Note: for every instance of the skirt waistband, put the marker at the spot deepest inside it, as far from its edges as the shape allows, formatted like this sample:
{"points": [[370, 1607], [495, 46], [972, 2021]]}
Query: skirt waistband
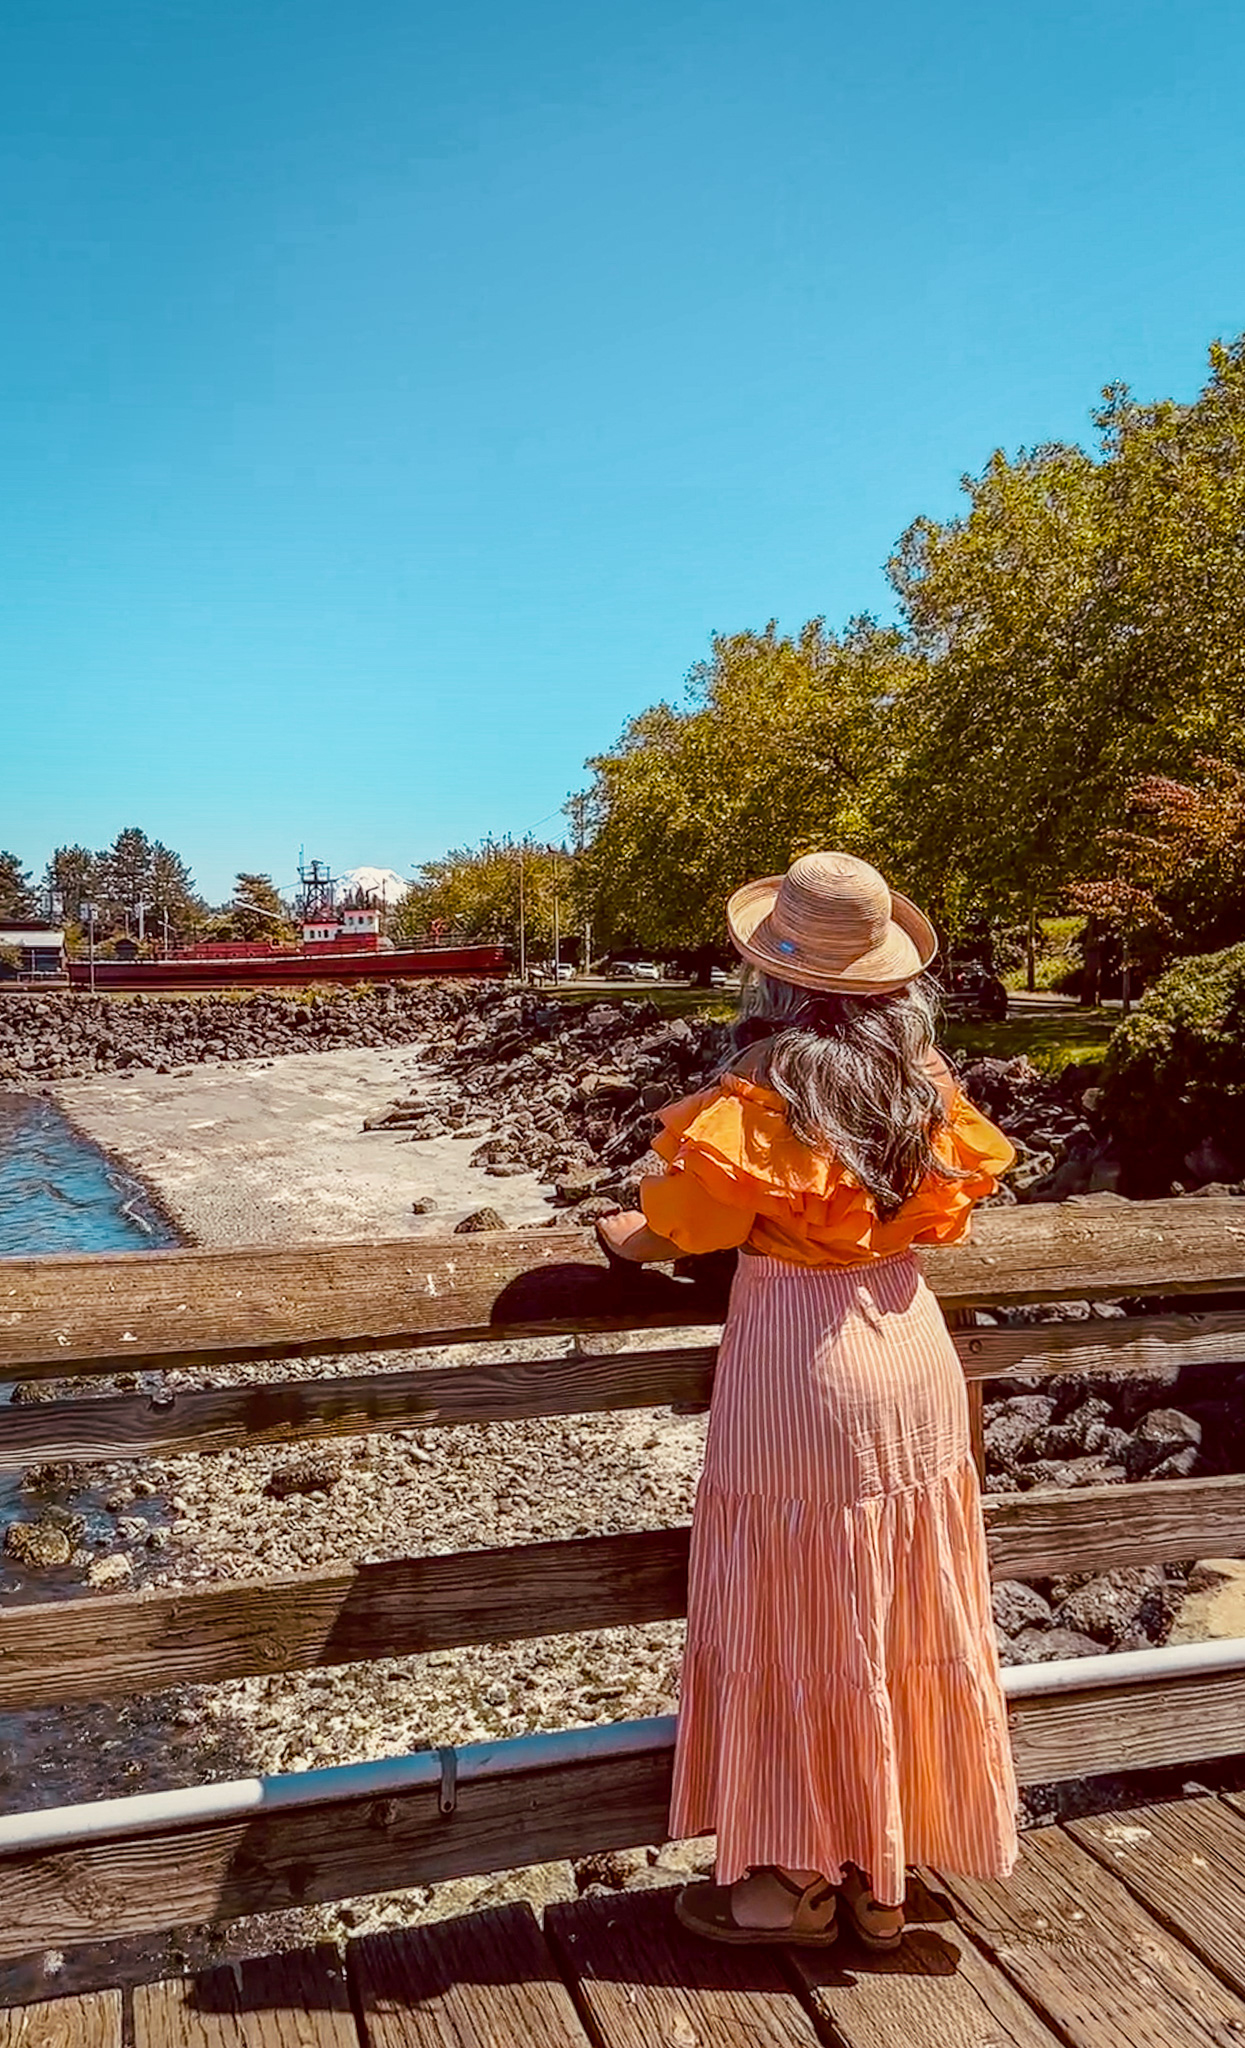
{"points": [[766, 1263]]}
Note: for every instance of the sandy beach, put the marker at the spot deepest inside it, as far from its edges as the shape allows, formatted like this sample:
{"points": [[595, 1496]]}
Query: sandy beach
{"points": [[274, 1151]]}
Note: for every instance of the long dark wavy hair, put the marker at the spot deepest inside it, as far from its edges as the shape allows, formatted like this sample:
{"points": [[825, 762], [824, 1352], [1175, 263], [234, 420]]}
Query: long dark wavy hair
{"points": [[853, 1072]]}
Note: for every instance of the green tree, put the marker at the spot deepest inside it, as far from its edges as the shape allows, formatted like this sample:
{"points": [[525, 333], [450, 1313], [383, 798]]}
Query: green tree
{"points": [[782, 744], [17, 898], [258, 911], [1084, 626], [71, 879], [491, 891], [172, 893], [124, 878]]}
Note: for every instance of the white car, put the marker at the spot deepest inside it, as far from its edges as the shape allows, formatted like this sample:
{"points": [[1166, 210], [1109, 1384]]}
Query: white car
{"points": [[646, 970]]}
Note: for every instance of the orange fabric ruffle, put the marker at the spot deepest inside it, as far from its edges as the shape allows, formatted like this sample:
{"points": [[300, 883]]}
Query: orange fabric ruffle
{"points": [[737, 1174]]}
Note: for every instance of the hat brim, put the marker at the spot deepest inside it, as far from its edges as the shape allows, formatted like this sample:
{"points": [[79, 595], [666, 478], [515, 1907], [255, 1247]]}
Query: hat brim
{"points": [[909, 947]]}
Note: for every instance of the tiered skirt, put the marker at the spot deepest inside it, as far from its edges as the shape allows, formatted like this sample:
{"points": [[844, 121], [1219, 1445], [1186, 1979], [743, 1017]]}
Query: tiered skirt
{"points": [[840, 1695]]}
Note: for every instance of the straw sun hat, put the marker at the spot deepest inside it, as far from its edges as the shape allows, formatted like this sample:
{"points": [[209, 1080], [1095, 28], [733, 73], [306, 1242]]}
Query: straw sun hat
{"points": [[832, 923]]}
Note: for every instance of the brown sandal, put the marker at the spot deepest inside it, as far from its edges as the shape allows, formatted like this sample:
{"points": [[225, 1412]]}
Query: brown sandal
{"points": [[879, 1927], [705, 1909]]}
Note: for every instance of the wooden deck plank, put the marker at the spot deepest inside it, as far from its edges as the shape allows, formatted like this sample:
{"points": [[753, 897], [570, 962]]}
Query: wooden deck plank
{"points": [[296, 2000], [91, 2020], [642, 1980], [485, 1980], [67, 1314], [1095, 1964], [1185, 1861], [936, 1991]]}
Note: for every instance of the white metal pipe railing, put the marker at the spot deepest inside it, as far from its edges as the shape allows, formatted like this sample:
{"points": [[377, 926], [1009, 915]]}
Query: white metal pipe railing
{"points": [[60, 1827], [243, 1798]]}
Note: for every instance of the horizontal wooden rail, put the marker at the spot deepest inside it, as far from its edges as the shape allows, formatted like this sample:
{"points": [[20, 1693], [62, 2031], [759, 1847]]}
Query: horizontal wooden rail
{"points": [[289, 1411], [1101, 1528], [99, 1648], [279, 1857], [222, 1418], [119, 1311], [105, 1648]]}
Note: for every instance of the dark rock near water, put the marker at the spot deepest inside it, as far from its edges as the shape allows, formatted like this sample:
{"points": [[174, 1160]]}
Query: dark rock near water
{"points": [[37, 1544], [1116, 1606], [1162, 1436], [62, 1036]]}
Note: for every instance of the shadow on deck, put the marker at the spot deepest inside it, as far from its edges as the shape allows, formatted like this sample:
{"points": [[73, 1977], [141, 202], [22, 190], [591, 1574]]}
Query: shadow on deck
{"points": [[1121, 1929]]}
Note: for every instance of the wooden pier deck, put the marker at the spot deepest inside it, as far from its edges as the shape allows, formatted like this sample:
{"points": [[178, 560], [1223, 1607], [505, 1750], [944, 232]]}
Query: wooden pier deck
{"points": [[1126, 1930]]}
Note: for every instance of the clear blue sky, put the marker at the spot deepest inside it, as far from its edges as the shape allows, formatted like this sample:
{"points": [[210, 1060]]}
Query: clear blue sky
{"points": [[395, 397]]}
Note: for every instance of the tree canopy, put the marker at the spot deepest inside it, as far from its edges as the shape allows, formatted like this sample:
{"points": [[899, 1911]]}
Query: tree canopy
{"points": [[17, 898], [486, 891], [1077, 628]]}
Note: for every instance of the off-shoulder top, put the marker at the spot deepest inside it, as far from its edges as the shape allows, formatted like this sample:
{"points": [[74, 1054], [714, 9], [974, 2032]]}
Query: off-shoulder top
{"points": [[737, 1175]]}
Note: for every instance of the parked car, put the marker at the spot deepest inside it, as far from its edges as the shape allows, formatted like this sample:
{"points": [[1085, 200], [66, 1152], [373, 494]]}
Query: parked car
{"points": [[645, 970], [565, 972], [980, 992], [718, 977]]}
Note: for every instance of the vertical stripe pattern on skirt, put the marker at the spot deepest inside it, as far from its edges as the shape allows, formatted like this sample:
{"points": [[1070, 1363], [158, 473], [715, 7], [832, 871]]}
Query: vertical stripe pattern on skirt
{"points": [[840, 1695]]}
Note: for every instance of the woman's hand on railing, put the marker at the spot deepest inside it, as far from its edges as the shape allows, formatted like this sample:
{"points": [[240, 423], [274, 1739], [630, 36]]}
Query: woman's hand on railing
{"points": [[625, 1237]]}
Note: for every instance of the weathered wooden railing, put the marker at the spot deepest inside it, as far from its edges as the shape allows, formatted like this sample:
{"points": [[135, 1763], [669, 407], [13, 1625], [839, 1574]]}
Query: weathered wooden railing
{"points": [[127, 1866]]}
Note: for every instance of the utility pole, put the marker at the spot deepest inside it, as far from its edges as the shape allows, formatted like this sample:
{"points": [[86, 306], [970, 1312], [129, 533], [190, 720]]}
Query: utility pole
{"points": [[557, 927], [89, 908], [522, 918], [577, 805]]}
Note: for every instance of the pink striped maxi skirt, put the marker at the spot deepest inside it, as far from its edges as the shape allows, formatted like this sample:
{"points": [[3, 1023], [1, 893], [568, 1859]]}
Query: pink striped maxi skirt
{"points": [[840, 1697]]}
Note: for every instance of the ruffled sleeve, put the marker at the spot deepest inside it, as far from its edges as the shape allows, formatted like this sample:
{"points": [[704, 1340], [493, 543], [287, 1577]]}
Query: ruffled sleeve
{"points": [[736, 1174]]}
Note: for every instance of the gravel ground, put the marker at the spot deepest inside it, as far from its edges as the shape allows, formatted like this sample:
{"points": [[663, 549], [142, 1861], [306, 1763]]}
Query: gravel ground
{"points": [[414, 1492]]}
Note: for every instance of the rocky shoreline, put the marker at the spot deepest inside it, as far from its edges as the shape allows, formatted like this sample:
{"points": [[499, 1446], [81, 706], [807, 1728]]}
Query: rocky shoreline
{"points": [[559, 1103]]}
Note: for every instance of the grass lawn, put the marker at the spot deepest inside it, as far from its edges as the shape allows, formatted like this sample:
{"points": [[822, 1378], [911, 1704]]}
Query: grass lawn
{"points": [[1050, 1039]]}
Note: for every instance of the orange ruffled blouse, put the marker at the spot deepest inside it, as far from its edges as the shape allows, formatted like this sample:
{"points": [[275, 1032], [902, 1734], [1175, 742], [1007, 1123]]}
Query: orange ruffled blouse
{"points": [[738, 1175]]}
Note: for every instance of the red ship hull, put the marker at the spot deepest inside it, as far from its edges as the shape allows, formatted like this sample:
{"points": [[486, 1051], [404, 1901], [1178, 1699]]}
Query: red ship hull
{"points": [[294, 970]]}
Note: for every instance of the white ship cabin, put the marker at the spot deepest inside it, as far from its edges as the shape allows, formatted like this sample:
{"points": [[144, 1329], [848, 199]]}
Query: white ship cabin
{"points": [[34, 951], [353, 926]]}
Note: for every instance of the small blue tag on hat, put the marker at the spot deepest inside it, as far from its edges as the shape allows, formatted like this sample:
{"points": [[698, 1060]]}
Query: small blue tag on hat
{"points": [[786, 945]]}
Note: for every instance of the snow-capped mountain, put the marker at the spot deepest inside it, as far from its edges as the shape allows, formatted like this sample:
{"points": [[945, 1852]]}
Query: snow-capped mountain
{"points": [[383, 883]]}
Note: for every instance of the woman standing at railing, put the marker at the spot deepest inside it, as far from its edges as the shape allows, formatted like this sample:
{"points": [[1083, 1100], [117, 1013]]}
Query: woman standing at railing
{"points": [[841, 1715]]}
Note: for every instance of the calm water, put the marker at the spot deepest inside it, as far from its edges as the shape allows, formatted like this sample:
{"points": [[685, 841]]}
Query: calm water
{"points": [[60, 1193]]}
